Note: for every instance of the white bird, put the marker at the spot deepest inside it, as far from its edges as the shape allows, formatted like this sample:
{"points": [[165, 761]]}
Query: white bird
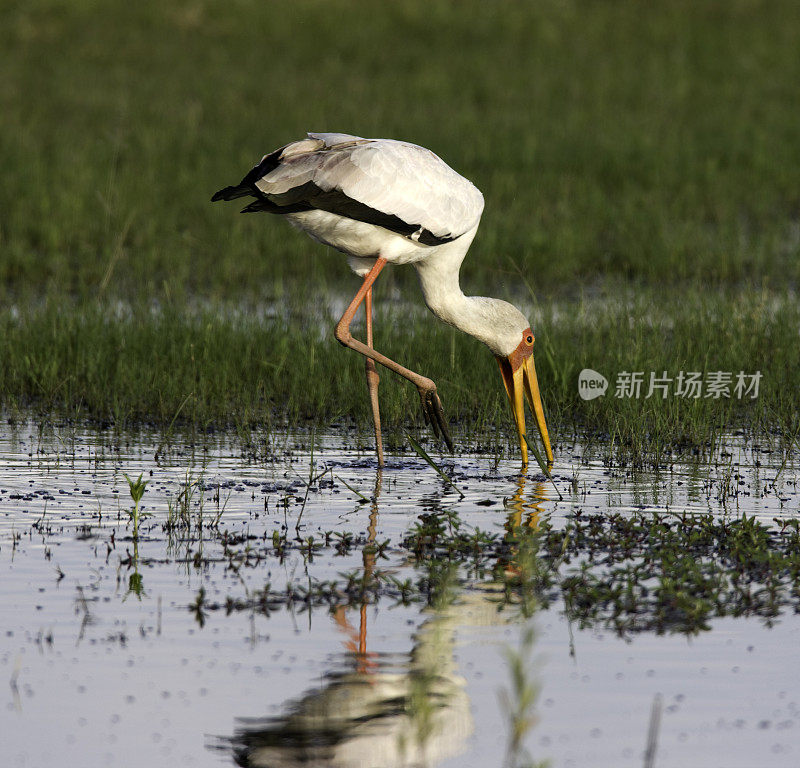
{"points": [[382, 201]]}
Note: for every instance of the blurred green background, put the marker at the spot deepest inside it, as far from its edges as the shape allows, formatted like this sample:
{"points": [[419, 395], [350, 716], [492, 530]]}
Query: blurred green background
{"points": [[650, 141]]}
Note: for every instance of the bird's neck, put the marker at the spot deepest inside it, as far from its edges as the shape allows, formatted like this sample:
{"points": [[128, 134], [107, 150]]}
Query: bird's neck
{"points": [[438, 277]]}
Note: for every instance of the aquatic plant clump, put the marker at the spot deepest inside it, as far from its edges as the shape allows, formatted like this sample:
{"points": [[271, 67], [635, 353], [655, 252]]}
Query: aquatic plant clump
{"points": [[663, 572], [652, 571]]}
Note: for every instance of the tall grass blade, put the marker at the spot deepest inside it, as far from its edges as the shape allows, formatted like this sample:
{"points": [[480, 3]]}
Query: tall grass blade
{"points": [[168, 433], [350, 487], [421, 452]]}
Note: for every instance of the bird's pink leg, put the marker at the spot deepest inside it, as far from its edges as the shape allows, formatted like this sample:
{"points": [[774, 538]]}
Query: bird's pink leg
{"points": [[372, 382], [431, 405]]}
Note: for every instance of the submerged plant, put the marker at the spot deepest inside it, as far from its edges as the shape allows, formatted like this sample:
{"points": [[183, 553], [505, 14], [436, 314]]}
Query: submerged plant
{"points": [[136, 488]]}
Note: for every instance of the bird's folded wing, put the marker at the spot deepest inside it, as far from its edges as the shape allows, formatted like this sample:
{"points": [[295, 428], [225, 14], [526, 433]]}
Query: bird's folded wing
{"points": [[351, 176]]}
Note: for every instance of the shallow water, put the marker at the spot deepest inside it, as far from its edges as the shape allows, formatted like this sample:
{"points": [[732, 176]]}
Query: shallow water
{"points": [[113, 656]]}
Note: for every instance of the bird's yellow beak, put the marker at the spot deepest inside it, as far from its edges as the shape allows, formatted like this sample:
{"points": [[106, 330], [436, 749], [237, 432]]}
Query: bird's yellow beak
{"points": [[519, 375]]}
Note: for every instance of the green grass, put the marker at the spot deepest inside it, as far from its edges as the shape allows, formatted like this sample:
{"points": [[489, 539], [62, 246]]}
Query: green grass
{"points": [[655, 143], [208, 369], [651, 151]]}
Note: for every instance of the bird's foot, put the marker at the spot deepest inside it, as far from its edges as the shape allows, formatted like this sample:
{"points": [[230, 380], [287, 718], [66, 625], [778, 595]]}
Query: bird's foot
{"points": [[434, 414]]}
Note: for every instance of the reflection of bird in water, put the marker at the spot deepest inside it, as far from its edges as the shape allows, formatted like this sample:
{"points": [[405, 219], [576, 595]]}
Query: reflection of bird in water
{"points": [[521, 566], [357, 644], [381, 201], [388, 710], [398, 712], [522, 512], [375, 709]]}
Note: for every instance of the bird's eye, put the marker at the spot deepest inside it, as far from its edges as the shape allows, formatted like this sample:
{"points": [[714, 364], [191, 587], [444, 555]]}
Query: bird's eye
{"points": [[529, 339]]}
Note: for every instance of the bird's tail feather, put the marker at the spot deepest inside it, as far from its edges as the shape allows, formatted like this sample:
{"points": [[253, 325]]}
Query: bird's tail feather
{"points": [[231, 193], [258, 205]]}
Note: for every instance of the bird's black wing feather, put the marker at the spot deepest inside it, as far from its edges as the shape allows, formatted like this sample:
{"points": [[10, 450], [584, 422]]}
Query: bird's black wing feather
{"points": [[247, 186], [336, 201], [308, 196]]}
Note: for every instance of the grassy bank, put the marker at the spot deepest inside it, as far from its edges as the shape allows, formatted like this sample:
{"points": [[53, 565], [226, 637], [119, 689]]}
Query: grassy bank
{"points": [[224, 369]]}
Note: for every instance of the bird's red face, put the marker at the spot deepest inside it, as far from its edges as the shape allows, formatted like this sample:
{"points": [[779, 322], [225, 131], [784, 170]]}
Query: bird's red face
{"points": [[519, 376]]}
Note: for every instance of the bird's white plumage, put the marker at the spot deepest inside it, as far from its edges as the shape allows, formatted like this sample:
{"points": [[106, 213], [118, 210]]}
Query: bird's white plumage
{"points": [[362, 242], [423, 198], [393, 177]]}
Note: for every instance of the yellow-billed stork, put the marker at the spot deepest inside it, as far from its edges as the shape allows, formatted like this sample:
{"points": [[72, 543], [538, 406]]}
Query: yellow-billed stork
{"points": [[383, 201]]}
